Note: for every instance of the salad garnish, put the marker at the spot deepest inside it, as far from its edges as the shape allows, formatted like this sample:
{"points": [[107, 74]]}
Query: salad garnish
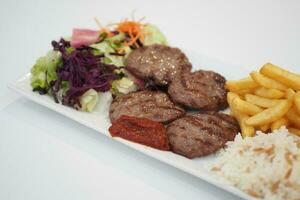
{"points": [[92, 62]]}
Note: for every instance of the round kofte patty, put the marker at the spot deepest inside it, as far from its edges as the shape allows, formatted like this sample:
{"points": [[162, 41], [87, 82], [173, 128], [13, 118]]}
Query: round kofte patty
{"points": [[199, 90], [154, 105], [201, 134], [157, 62]]}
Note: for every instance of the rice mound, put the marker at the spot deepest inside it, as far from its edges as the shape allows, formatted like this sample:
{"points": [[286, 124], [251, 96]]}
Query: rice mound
{"points": [[266, 166]]}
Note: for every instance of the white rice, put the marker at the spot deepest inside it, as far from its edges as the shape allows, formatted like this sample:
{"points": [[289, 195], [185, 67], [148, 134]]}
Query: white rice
{"points": [[266, 166]]}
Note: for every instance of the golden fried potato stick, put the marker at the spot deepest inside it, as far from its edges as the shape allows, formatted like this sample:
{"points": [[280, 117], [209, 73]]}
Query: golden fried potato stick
{"points": [[297, 101], [290, 94], [279, 123], [242, 93], [264, 128], [267, 82], [242, 84], [261, 101], [246, 130], [231, 96], [241, 118], [245, 107], [294, 117], [288, 78], [294, 131], [270, 115], [268, 93]]}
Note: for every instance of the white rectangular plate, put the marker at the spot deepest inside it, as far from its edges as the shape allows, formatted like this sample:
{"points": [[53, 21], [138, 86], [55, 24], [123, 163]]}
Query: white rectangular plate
{"points": [[99, 121]]}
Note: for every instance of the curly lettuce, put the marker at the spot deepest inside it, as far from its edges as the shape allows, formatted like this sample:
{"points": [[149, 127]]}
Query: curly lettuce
{"points": [[123, 86], [44, 70], [109, 46], [153, 35], [89, 100]]}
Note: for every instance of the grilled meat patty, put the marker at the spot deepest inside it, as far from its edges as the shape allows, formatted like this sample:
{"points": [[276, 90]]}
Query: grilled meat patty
{"points": [[201, 134], [158, 63], [199, 90], [154, 105]]}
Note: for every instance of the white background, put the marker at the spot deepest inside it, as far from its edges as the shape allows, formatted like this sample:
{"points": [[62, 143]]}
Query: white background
{"points": [[44, 155]]}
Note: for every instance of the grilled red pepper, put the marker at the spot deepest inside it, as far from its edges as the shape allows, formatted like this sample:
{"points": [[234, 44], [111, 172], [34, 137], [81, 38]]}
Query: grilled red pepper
{"points": [[141, 130]]}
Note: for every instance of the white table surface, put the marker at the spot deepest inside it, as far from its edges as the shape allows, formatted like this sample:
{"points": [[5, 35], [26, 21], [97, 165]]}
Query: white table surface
{"points": [[44, 155]]}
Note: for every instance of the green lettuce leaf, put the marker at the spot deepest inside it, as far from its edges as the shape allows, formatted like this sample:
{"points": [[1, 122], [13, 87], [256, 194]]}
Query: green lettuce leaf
{"points": [[44, 70], [38, 74], [116, 41], [106, 48], [89, 100], [153, 35], [110, 45], [103, 47], [53, 60], [123, 86]]}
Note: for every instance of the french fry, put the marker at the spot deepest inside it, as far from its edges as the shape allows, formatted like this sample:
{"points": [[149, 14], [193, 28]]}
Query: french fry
{"points": [[297, 101], [242, 93], [261, 101], [264, 128], [268, 93], [230, 97], [242, 84], [270, 115], [231, 114], [267, 82], [289, 94], [288, 78], [293, 116], [245, 107], [246, 130], [294, 131], [279, 123], [241, 118], [267, 100]]}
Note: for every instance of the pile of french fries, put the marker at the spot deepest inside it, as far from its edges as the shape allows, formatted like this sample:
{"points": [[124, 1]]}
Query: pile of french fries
{"points": [[266, 100]]}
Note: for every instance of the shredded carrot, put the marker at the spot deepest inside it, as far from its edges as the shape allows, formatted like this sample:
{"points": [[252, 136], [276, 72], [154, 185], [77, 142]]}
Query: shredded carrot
{"points": [[131, 27], [109, 33], [102, 28]]}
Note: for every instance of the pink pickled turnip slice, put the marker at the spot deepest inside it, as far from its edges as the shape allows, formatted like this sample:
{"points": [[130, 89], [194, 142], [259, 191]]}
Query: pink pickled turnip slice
{"points": [[85, 37]]}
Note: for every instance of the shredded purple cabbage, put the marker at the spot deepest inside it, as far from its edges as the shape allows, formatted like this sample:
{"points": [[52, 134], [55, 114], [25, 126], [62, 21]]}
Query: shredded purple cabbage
{"points": [[83, 70]]}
